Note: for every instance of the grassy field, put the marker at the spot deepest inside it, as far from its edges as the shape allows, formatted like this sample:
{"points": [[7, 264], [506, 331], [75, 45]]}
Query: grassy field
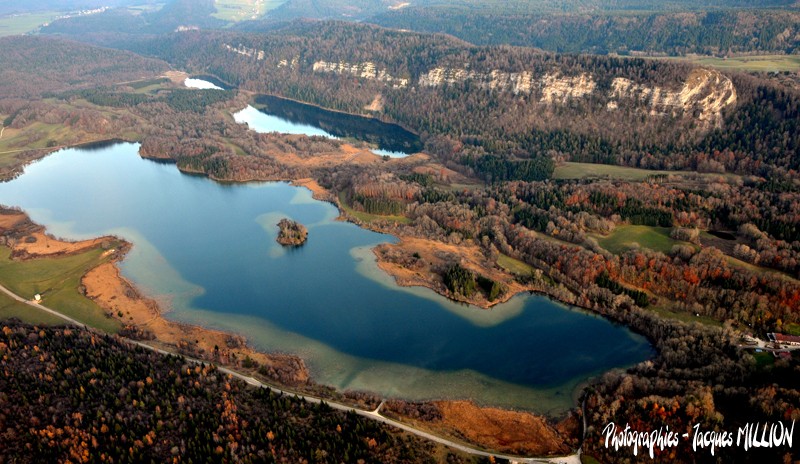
{"points": [[36, 136], [146, 8], [514, 266], [763, 63], [571, 170], [242, 10], [764, 359], [791, 328], [586, 459], [367, 217], [10, 307], [625, 237], [24, 23], [41, 136], [57, 280], [663, 311]]}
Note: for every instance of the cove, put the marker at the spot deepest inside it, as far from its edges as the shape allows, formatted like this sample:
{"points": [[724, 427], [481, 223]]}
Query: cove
{"points": [[207, 252]]}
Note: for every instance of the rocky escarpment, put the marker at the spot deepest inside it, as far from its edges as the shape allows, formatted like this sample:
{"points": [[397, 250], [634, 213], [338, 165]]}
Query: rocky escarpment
{"points": [[705, 93], [245, 51], [291, 233], [366, 70], [554, 87]]}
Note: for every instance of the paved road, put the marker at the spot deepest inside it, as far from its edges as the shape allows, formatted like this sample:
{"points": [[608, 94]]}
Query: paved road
{"points": [[374, 415], [43, 308]]}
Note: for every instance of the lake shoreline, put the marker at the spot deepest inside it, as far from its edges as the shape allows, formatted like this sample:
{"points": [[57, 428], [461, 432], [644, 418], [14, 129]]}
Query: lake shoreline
{"points": [[144, 320], [260, 106], [106, 286], [113, 293]]}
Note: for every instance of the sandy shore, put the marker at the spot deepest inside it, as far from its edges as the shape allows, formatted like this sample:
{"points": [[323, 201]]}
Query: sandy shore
{"points": [[317, 191], [119, 297], [29, 240]]}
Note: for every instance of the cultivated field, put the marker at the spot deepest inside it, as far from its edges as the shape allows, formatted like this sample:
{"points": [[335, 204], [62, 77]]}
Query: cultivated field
{"points": [[23, 23], [243, 10], [572, 170], [58, 280], [761, 63], [626, 237]]}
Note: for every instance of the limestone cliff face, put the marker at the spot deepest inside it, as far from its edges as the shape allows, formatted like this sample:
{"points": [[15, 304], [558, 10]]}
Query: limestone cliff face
{"points": [[365, 70], [248, 52], [705, 93], [554, 87], [558, 89]]}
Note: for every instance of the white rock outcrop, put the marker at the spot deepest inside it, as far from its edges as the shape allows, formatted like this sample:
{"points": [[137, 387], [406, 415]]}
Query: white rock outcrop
{"points": [[706, 92], [365, 70]]}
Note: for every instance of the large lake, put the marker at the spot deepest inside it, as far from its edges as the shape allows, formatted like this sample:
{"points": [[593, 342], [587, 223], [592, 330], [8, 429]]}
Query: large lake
{"points": [[207, 251]]}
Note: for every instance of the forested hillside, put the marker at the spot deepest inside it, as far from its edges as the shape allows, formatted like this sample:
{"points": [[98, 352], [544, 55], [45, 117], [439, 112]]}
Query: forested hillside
{"points": [[363, 9], [714, 32], [492, 107], [30, 66], [69, 395]]}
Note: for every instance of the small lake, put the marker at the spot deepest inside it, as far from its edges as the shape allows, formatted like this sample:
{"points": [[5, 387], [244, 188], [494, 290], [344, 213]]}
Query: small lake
{"points": [[207, 252], [275, 114], [290, 117]]}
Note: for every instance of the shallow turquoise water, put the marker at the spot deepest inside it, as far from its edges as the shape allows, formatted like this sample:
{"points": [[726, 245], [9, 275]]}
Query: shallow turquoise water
{"points": [[207, 251]]}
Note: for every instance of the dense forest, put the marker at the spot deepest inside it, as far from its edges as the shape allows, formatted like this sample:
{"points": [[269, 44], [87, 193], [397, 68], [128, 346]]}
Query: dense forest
{"points": [[365, 9], [707, 33], [71, 395], [31, 66]]}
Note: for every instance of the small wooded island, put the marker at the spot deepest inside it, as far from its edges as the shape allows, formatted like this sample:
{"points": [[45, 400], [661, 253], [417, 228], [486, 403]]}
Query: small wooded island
{"points": [[291, 233]]}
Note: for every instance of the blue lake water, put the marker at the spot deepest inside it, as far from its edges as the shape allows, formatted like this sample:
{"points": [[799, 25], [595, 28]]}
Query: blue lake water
{"points": [[207, 252], [291, 117]]}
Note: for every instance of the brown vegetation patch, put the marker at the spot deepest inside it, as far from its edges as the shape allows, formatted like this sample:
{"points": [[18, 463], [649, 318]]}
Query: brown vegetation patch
{"points": [[417, 262], [318, 192], [376, 104], [176, 76], [345, 154], [29, 240], [502, 430]]}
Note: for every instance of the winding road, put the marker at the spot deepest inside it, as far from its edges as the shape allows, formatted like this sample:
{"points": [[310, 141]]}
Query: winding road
{"points": [[374, 414]]}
